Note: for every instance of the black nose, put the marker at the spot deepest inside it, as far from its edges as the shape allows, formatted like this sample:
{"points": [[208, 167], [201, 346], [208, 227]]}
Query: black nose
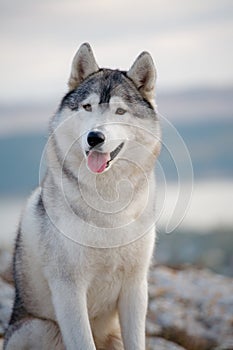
{"points": [[95, 138]]}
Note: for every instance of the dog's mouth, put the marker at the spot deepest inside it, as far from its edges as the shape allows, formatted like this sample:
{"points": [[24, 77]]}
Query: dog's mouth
{"points": [[98, 161]]}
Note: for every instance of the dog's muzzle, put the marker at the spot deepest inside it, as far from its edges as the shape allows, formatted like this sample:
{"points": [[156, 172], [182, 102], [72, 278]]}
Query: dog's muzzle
{"points": [[98, 161]]}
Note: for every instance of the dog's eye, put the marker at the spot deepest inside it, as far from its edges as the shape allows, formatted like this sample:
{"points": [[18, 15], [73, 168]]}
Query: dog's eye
{"points": [[120, 111], [87, 107], [72, 104]]}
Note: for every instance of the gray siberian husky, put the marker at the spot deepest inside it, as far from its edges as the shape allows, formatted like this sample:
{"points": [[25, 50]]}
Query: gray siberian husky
{"points": [[87, 234]]}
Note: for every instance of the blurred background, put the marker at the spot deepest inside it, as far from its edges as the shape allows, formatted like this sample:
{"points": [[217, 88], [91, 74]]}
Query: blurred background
{"points": [[191, 43]]}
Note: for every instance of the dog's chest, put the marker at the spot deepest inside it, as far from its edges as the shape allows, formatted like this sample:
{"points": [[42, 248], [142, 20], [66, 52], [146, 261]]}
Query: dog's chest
{"points": [[105, 271], [108, 275], [104, 291]]}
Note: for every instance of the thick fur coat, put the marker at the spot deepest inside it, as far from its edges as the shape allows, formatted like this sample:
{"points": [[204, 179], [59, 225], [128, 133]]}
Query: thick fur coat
{"points": [[86, 235]]}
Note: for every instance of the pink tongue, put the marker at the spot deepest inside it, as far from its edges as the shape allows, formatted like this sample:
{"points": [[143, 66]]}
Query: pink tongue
{"points": [[97, 161]]}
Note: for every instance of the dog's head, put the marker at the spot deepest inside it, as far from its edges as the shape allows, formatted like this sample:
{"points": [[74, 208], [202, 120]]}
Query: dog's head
{"points": [[106, 112]]}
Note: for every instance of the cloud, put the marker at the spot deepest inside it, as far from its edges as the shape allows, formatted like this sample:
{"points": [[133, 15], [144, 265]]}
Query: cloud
{"points": [[190, 41]]}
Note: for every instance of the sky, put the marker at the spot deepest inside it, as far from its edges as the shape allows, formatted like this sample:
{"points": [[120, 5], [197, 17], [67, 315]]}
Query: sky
{"points": [[190, 41]]}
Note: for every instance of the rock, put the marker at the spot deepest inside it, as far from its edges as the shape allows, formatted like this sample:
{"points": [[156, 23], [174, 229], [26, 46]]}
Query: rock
{"points": [[6, 301], [191, 307], [161, 344]]}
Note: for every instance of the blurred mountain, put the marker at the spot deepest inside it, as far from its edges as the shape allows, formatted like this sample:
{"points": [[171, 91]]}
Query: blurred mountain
{"points": [[210, 145], [20, 160], [200, 104]]}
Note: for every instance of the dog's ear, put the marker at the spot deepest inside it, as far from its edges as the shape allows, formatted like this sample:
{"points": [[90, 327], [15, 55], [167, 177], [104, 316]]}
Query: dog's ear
{"points": [[143, 74], [83, 65]]}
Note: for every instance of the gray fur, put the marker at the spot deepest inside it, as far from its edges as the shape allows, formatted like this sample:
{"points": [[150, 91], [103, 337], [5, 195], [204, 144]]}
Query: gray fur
{"points": [[83, 249]]}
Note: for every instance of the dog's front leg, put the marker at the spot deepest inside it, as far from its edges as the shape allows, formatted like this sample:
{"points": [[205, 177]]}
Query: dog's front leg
{"points": [[132, 312], [70, 306]]}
